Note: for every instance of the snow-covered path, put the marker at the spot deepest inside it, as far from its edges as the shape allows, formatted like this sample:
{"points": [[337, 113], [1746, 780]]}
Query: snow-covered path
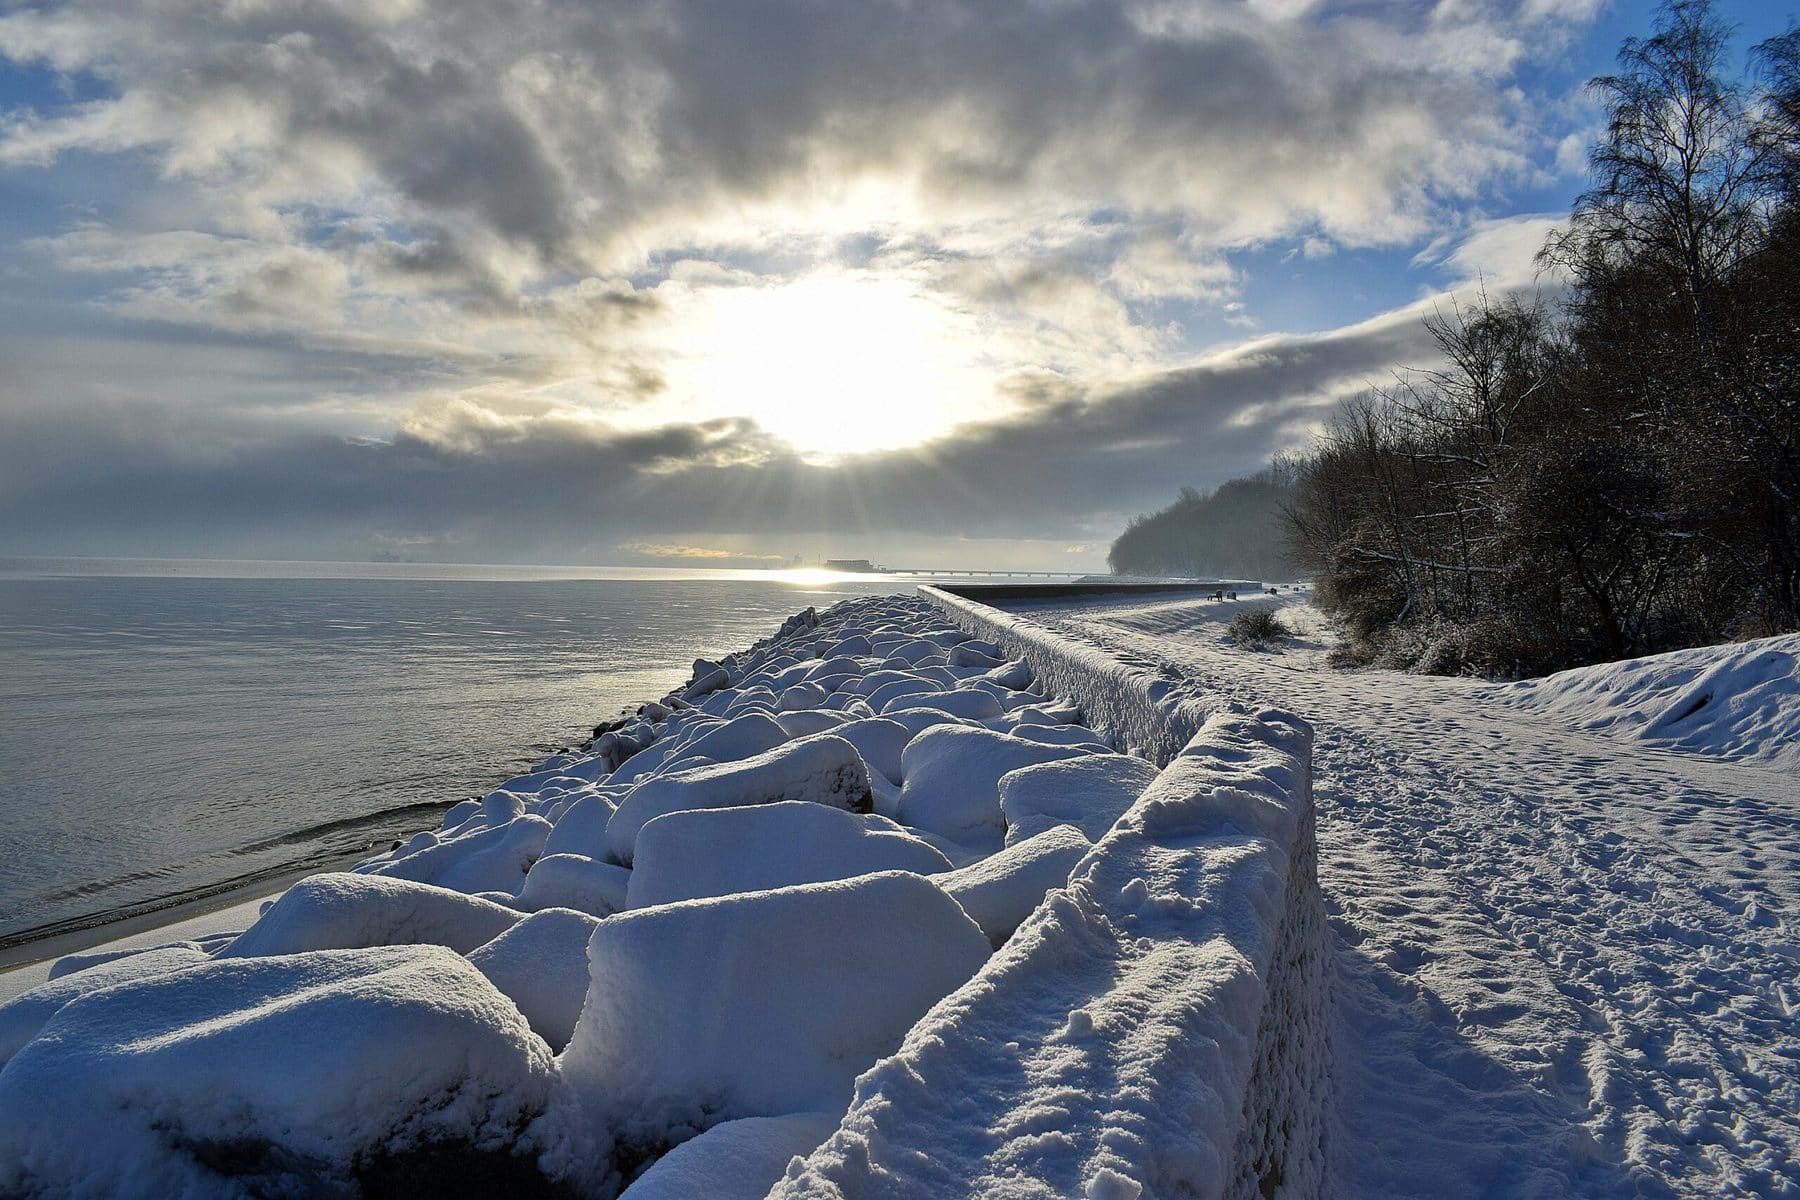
{"points": [[1566, 963]]}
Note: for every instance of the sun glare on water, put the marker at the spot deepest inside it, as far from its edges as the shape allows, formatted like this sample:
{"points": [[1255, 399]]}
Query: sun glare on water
{"points": [[835, 366]]}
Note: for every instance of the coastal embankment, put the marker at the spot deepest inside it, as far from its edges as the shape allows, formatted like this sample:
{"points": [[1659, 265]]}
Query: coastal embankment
{"points": [[907, 834]]}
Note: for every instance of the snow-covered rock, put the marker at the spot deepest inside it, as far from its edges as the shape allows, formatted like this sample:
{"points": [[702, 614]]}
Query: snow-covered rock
{"points": [[1000, 891], [274, 1077], [581, 827], [340, 910], [737, 1160], [817, 981], [824, 769], [951, 780], [574, 881], [25, 1014], [541, 966], [1090, 793], [716, 852], [492, 859], [880, 742], [970, 704], [1179, 979]]}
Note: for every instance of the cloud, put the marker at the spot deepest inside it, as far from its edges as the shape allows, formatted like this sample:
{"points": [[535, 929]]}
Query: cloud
{"points": [[699, 553], [501, 481], [493, 146], [445, 267]]}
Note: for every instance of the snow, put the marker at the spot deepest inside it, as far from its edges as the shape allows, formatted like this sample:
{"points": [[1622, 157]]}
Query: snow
{"points": [[342, 910], [273, 1076], [574, 881], [716, 852], [697, 908], [490, 859], [818, 981], [1739, 702], [879, 741], [951, 780], [23, 1017], [736, 1160], [541, 966], [1000, 891], [1563, 956], [824, 769], [580, 828], [1113, 1046]]}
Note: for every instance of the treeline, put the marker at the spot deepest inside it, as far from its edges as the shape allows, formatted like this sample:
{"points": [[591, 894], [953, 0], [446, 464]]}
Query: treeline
{"points": [[1620, 474], [1234, 532]]}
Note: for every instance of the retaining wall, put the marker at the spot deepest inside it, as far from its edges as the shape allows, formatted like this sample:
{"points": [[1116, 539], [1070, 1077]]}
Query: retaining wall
{"points": [[1156, 1029]]}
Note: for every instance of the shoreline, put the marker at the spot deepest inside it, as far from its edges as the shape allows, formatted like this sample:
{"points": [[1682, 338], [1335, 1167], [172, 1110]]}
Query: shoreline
{"points": [[139, 925]]}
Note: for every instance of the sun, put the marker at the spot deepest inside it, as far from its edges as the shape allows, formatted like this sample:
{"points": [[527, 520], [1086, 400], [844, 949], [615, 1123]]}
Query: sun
{"points": [[835, 365]]}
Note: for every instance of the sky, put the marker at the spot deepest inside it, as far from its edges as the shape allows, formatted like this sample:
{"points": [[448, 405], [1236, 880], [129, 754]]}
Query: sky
{"points": [[729, 282]]}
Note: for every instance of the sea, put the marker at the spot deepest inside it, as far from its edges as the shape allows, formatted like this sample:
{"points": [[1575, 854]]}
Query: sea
{"points": [[173, 729]]}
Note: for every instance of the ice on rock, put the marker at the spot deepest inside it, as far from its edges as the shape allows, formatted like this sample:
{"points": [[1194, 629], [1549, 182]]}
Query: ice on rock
{"points": [[275, 1077], [717, 852], [800, 696], [25, 1014], [971, 705], [1000, 891], [1090, 793], [574, 881], [951, 780], [341, 910], [824, 769], [738, 1160], [753, 1005], [705, 683], [493, 859], [541, 965]]}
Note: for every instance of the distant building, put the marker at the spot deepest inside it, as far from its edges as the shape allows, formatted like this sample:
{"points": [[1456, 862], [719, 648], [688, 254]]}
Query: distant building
{"points": [[858, 565]]}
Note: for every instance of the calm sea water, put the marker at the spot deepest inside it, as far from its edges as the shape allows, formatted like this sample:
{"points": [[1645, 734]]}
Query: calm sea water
{"points": [[176, 727]]}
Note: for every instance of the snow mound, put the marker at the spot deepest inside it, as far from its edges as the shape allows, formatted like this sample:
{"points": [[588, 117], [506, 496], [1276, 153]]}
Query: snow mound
{"points": [[716, 852], [541, 966], [1089, 793], [738, 1160], [285, 1076], [952, 780], [1739, 701], [340, 910], [824, 769], [491, 859], [1000, 891], [25, 1014], [574, 881], [753, 1005]]}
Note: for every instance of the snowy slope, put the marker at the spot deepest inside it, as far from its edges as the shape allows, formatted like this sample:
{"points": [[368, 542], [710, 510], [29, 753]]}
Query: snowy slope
{"points": [[1565, 959], [1739, 701]]}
